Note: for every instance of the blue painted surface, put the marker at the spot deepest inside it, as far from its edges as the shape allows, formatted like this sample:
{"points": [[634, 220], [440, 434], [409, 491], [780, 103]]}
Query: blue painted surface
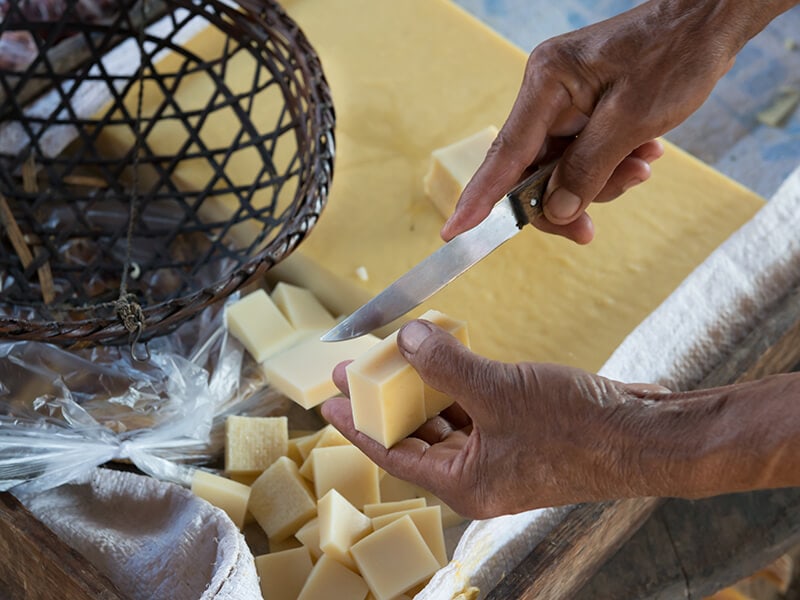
{"points": [[724, 132]]}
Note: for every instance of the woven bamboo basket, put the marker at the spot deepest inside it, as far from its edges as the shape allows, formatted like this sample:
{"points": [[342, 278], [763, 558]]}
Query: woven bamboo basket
{"points": [[105, 248]]}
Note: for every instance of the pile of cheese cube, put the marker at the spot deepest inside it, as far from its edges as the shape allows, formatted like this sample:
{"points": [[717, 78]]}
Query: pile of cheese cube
{"points": [[338, 526]]}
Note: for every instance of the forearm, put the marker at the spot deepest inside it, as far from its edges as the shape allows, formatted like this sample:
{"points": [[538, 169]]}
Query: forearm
{"points": [[718, 441]]}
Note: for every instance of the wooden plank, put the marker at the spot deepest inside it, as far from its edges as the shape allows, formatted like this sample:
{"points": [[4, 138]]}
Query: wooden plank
{"points": [[46, 567], [566, 559]]}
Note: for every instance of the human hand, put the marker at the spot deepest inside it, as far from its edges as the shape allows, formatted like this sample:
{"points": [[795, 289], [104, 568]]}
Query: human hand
{"points": [[616, 85], [521, 436]]}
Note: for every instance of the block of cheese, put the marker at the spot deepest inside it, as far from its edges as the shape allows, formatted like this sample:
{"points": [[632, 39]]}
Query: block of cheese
{"points": [[386, 393], [253, 443], [283, 574], [303, 371], [450, 76], [340, 526], [301, 307], [308, 535], [330, 580], [436, 401], [394, 559], [396, 490], [428, 521], [452, 167], [258, 324], [347, 470], [306, 443], [384, 508], [281, 500], [230, 496]]}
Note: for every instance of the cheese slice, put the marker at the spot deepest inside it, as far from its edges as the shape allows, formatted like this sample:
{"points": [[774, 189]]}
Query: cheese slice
{"points": [[256, 322], [340, 526], [384, 508], [308, 535], [230, 496], [283, 574], [453, 166], [330, 580], [428, 521], [301, 307], [281, 501], [347, 470], [433, 75], [253, 443]]}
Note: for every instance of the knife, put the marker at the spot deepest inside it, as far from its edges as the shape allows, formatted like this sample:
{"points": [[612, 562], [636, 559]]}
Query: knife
{"points": [[518, 208]]}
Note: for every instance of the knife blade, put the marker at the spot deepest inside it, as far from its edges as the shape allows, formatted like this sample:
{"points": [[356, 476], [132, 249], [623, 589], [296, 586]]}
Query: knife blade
{"points": [[519, 207]]}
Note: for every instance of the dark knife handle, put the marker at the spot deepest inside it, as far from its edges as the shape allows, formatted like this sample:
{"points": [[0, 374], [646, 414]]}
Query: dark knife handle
{"points": [[526, 197]]}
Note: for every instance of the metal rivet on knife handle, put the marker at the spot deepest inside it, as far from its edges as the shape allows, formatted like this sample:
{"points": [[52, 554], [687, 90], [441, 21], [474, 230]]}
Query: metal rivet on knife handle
{"points": [[527, 196]]}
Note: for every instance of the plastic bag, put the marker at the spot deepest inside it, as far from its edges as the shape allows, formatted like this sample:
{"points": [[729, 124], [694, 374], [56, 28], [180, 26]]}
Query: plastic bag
{"points": [[65, 412]]}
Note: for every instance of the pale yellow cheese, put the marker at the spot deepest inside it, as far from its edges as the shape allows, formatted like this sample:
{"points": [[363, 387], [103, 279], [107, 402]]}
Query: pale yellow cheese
{"points": [[230, 496], [394, 489], [306, 443], [330, 436], [253, 443], [433, 75], [286, 544], [308, 535], [340, 526], [281, 501], [283, 574], [301, 308], [347, 470], [330, 580], [258, 324], [384, 508], [386, 393], [394, 559], [428, 521], [436, 401], [303, 372], [452, 167]]}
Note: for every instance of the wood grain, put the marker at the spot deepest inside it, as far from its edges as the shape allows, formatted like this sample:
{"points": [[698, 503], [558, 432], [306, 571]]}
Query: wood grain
{"points": [[44, 567], [567, 558]]}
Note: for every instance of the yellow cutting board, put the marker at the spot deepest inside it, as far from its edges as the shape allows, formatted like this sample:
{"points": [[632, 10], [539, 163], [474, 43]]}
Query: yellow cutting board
{"points": [[413, 75]]}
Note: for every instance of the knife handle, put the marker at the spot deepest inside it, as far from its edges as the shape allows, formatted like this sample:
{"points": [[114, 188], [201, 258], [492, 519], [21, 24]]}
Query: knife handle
{"points": [[526, 197]]}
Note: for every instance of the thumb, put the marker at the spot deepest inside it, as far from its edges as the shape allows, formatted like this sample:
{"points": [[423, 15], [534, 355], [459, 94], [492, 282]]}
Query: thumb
{"points": [[450, 367]]}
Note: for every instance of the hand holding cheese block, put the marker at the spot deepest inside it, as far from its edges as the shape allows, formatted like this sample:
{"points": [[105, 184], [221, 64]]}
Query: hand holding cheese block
{"points": [[389, 400]]}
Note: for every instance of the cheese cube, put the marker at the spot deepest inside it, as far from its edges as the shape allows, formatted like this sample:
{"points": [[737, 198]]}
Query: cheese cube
{"points": [[347, 470], [330, 436], [386, 393], [330, 580], [258, 324], [281, 501], [394, 559], [230, 496], [385, 508], [301, 308], [253, 443], [306, 443], [436, 401], [303, 372], [452, 167], [283, 574], [428, 521], [308, 535], [340, 526]]}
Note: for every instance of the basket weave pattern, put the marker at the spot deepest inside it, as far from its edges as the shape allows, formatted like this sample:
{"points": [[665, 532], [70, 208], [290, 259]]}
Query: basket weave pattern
{"points": [[161, 217]]}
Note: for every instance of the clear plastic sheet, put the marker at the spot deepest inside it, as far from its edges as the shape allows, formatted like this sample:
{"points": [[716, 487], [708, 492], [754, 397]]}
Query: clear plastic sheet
{"points": [[64, 412]]}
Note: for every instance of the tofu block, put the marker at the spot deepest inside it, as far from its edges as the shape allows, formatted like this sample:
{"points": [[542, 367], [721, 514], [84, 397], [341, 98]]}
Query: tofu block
{"points": [[428, 521], [283, 574], [303, 371], [301, 308], [230, 496], [385, 508], [308, 535], [330, 580], [386, 393], [347, 470], [258, 324], [394, 559], [340, 526], [436, 401], [452, 167], [281, 500], [253, 443]]}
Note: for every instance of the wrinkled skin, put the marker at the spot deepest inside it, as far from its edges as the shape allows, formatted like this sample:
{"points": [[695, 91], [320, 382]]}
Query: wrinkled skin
{"points": [[529, 435]]}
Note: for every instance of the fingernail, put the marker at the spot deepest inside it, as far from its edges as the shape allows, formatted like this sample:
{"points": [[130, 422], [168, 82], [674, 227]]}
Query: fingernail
{"points": [[412, 335], [633, 182], [563, 204]]}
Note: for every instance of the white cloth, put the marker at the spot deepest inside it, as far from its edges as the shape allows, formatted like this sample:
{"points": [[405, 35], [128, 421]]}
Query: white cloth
{"points": [[155, 540]]}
